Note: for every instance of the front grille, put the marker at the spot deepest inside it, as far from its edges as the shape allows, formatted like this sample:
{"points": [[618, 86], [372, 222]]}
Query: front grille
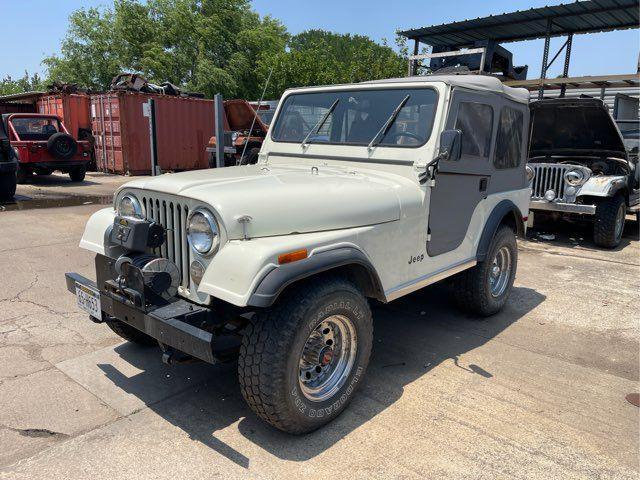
{"points": [[172, 215], [548, 176]]}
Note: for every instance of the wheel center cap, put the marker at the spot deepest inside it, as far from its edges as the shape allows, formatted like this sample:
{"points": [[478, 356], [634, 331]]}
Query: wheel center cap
{"points": [[326, 355], [495, 271]]}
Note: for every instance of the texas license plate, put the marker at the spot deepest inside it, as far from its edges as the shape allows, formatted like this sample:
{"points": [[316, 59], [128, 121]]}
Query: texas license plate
{"points": [[89, 301]]}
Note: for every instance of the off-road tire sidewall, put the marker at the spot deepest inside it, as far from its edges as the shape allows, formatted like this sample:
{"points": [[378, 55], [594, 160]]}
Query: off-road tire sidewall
{"points": [[604, 225], [311, 412], [472, 291], [55, 149], [268, 367]]}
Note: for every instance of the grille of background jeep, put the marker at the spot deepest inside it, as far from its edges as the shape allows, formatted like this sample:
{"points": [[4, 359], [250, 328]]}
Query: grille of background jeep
{"points": [[548, 176], [172, 215]]}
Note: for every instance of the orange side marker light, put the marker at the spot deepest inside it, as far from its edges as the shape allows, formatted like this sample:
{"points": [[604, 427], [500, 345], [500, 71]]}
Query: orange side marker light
{"points": [[292, 256]]}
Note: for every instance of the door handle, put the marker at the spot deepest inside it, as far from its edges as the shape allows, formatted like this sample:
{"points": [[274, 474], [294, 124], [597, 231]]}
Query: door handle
{"points": [[483, 184]]}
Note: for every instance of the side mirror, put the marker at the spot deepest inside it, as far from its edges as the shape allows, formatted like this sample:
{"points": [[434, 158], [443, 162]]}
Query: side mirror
{"points": [[450, 145]]}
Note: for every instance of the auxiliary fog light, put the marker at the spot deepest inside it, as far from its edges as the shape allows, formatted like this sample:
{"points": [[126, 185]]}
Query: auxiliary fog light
{"points": [[196, 271], [550, 195], [570, 191]]}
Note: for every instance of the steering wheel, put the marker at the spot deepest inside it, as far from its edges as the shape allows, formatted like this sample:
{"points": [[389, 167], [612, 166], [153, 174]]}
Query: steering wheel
{"points": [[417, 138]]}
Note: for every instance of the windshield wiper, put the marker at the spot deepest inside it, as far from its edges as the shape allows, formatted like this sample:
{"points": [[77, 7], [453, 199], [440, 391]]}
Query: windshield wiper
{"points": [[319, 125], [387, 125]]}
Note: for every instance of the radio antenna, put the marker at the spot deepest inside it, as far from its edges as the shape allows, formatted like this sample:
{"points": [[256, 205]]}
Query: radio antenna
{"points": [[255, 115]]}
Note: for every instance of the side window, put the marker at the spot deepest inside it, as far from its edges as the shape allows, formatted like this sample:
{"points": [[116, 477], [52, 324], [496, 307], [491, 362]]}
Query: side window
{"points": [[509, 141], [475, 120]]}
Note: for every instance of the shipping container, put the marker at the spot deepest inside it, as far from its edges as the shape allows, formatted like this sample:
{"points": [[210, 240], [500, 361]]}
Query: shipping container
{"points": [[72, 108], [17, 108], [183, 128]]}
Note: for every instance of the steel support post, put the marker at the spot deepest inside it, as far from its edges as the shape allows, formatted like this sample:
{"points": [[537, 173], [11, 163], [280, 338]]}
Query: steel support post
{"points": [[219, 129], [567, 59], [545, 59]]}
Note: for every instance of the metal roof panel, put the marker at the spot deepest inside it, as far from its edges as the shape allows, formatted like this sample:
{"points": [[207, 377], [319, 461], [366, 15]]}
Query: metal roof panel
{"points": [[578, 17]]}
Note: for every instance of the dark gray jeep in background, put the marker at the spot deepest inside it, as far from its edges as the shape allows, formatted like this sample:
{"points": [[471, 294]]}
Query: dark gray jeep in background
{"points": [[8, 166], [581, 167]]}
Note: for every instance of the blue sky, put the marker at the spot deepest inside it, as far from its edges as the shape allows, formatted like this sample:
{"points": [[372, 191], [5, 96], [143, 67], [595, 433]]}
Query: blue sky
{"points": [[33, 29]]}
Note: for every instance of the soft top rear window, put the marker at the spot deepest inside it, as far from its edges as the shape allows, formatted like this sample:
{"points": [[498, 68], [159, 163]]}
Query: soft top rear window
{"points": [[357, 117]]}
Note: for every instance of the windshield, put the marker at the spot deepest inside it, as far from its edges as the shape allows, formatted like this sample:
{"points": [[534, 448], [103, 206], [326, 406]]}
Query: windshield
{"points": [[35, 128], [629, 129], [357, 117], [266, 115]]}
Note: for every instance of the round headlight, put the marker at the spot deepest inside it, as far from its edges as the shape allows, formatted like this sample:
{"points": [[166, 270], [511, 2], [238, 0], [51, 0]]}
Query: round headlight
{"points": [[129, 206], [550, 195], [202, 232], [575, 177], [234, 136]]}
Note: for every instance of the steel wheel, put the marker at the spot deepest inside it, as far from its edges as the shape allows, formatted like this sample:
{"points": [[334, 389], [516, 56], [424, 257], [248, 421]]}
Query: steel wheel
{"points": [[500, 272], [327, 358], [620, 221]]}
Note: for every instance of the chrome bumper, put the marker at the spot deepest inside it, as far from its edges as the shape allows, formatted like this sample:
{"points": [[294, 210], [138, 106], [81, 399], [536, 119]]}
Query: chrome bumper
{"points": [[562, 207]]}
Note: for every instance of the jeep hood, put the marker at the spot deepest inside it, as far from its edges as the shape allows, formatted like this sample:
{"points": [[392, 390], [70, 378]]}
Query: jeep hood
{"points": [[283, 200], [574, 127]]}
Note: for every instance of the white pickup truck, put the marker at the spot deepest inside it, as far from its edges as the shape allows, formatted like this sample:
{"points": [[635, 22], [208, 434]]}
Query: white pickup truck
{"points": [[363, 191]]}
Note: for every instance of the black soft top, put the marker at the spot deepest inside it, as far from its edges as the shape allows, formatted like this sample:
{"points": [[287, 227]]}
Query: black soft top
{"points": [[574, 127]]}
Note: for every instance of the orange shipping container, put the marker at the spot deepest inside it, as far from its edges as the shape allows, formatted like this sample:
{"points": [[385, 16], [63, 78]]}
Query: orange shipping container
{"points": [[73, 109], [183, 128]]}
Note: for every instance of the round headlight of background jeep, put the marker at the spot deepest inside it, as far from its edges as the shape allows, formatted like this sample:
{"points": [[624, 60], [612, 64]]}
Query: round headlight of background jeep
{"points": [[129, 206], [202, 232], [550, 195], [234, 136], [575, 177]]}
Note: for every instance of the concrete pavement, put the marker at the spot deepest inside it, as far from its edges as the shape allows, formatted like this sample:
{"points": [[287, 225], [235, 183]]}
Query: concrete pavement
{"points": [[537, 391]]}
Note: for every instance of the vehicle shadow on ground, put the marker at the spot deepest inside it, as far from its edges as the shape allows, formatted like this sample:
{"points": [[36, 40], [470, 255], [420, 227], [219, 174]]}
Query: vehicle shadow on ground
{"points": [[579, 234], [411, 337], [56, 181]]}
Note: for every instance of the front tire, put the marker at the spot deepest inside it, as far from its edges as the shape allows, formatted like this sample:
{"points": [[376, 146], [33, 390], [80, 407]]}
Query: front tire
{"points": [[302, 360], [484, 289], [609, 222], [7, 185]]}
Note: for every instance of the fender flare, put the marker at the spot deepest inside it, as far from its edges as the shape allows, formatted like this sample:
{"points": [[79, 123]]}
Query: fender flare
{"points": [[274, 282], [500, 211]]}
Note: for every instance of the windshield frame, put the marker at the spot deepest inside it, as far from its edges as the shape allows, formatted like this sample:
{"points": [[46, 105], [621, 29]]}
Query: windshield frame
{"points": [[357, 88]]}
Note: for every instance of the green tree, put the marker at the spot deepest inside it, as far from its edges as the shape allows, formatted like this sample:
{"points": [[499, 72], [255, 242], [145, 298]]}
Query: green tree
{"points": [[211, 46], [26, 83], [318, 57]]}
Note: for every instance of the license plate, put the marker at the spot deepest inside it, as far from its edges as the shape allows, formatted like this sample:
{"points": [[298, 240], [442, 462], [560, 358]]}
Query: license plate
{"points": [[89, 301]]}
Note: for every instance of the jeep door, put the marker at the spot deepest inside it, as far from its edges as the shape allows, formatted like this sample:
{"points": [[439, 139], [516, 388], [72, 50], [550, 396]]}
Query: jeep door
{"points": [[464, 183]]}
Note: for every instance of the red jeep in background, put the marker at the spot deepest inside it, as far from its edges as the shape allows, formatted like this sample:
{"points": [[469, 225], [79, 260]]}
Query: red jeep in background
{"points": [[239, 115], [43, 145]]}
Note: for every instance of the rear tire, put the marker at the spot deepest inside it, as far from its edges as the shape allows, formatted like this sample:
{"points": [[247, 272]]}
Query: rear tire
{"points": [[484, 289], [7, 185], [77, 174], [609, 221], [129, 333], [302, 359]]}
